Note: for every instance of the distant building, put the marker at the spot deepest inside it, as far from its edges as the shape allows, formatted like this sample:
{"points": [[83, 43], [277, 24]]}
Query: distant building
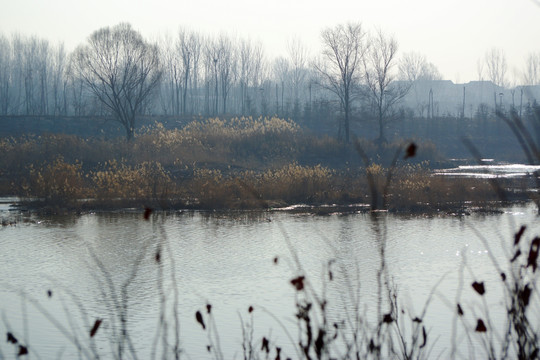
{"points": [[444, 98]]}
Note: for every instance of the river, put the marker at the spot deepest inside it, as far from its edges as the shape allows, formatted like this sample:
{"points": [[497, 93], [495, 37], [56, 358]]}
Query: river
{"points": [[67, 271]]}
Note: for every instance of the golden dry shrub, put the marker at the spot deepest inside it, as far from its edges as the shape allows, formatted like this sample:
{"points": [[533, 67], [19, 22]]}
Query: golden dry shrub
{"points": [[57, 182], [18, 152], [376, 170], [240, 127], [117, 180], [292, 183], [296, 183], [207, 187], [156, 143], [161, 140], [155, 180], [410, 186], [245, 138], [378, 174], [210, 188]]}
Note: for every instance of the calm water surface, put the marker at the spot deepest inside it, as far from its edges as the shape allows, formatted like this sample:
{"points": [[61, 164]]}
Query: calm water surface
{"points": [[227, 260], [490, 171]]}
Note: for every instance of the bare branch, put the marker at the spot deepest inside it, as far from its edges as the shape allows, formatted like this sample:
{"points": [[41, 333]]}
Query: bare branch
{"points": [[120, 69]]}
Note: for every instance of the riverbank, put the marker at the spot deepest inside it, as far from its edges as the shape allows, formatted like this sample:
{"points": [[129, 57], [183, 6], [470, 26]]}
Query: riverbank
{"points": [[299, 189], [17, 211]]}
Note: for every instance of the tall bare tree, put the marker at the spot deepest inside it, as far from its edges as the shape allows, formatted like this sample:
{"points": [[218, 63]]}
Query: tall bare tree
{"points": [[531, 74], [58, 82], [496, 66], [281, 69], [250, 62], [341, 65], [480, 69], [227, 67], [246, 67], [379, 75], [5, 75], [173, 73], [121, 69], [298, 55], [211, 59], [413, 67], [195, 50], [189, 48]]}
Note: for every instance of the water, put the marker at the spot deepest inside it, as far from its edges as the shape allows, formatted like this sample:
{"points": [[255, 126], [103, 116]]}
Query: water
{"points": [[490, 171], [228, 260]]}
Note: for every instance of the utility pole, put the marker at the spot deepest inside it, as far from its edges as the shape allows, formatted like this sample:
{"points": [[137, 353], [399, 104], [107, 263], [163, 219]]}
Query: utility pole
{"points": [[430, 104], [216, 90], [310, 95], [463, 105], [520, 101], [277, 100], [282, 91]]}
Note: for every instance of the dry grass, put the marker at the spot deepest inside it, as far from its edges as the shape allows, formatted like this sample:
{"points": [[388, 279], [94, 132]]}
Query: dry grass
{"points": [[56, 183], [237, 163]]}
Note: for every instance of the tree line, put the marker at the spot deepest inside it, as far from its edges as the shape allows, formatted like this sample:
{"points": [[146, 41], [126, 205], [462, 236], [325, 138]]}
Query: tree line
{"points": [[118, 73]]}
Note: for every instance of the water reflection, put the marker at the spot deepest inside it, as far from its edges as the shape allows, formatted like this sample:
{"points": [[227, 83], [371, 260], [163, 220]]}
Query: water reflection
{"points": [[227, 260]]}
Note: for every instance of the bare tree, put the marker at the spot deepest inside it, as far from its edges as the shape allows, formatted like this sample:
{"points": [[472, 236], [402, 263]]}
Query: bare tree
{"points": [[227, 63], [35, 57], [531, 74], [244, 70], [29, 51], [430, 72], [173, 73], [251, 69], [18, 74], [31, 76], [180, 63], [43, 66], [281, 69], [480, 69], [341, 64], [58, 67], [246, 67], [121, 69], [496, 66], [211, 59], [5, 75], [298, 55], [196, 49], [413, 67], [189, 47], [259, 74], [381, 90]]}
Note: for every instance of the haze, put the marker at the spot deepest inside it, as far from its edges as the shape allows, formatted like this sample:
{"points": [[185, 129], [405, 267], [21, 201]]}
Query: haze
{"points": [[453, 35]]}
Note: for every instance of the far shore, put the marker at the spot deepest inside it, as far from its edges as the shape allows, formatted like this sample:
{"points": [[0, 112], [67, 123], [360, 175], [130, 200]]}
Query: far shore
{"points": [[14, 206]]}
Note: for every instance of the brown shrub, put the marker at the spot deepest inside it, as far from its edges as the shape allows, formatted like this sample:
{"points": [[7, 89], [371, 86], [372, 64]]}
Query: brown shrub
{"points": [[58, 182], [148, 180]]}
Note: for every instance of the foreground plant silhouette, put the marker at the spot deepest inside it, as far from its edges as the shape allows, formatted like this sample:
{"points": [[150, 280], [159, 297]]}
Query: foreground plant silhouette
{"points": [[518, 337]]}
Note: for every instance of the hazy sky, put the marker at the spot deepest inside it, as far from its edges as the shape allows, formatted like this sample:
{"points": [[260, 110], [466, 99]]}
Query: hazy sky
{"points": [[452, 34]]}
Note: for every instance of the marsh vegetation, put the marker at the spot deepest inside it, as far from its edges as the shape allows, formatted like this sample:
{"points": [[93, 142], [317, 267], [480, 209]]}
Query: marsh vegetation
{"points": [[241, 163]]}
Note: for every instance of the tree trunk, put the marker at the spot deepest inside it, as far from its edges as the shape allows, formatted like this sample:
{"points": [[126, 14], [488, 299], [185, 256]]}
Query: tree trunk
{"points": [[347, 109], [130, 132], [382, 138]]}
